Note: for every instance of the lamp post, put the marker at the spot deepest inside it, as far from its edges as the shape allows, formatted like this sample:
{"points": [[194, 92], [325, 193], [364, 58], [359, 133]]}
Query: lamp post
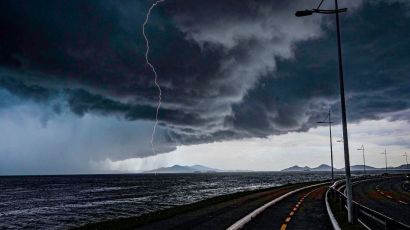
{"points": [[407, 163], [331, 144], [385, 158], [336, 11], [364, 160]]}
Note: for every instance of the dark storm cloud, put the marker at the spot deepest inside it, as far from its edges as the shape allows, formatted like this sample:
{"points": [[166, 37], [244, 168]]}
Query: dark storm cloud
{"points": [[23, 90], [228, 69], [376, 75]]}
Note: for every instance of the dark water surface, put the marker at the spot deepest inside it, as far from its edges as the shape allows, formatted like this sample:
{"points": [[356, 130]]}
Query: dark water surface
{"points": [[61, 202]]}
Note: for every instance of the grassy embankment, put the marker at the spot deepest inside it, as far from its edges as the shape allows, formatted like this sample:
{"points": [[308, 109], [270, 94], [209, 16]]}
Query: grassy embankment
{"points": [[341, 216]]}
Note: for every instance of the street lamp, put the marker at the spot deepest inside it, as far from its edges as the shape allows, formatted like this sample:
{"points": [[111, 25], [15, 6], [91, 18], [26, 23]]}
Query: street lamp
{"points": [[364, 161], [407, 163], [303, 13], [331, 144], [336, 11], [385, 158]]}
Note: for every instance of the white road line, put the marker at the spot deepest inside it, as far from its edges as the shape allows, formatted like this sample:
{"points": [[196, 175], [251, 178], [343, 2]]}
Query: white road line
{"points": [[403, 202]]}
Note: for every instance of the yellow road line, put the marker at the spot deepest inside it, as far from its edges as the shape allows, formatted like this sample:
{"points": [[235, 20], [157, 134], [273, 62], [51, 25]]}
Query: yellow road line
{"points": [[287, 220], [403, 202]]}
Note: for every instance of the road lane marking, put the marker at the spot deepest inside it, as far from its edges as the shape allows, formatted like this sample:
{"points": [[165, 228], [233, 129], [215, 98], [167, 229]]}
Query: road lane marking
{"points": [[390, 197], [403, 202], [249, 217], [292, 213]]}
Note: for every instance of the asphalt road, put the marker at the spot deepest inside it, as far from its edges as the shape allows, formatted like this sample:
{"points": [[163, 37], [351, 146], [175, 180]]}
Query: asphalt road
{"points": [[221, 215], [385, 196], [303, 210]]}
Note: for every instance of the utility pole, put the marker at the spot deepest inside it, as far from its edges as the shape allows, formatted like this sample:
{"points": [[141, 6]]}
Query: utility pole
{"points": [[364, 160], [331, 142], [407, 163], [385, 158], [344, 121], [342, 100]]}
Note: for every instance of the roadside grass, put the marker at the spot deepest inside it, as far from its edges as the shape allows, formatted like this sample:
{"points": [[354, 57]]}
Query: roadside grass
{"points": [[341, 216]]}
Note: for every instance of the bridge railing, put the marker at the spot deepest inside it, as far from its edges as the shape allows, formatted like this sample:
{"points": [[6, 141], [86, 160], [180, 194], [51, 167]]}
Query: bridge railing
{"points": [[363, 215]]}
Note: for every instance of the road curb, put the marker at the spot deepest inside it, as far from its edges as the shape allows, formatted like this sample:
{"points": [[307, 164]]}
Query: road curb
{"points": [[246, 219]]}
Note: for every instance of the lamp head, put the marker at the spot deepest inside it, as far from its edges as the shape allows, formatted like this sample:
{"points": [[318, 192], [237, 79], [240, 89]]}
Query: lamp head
{"points": [[303, 13]]}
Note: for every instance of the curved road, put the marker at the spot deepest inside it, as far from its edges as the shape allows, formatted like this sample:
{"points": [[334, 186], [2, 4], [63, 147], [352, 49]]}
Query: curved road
{"points": [[303, 210], [219, 216], [385, 196]]}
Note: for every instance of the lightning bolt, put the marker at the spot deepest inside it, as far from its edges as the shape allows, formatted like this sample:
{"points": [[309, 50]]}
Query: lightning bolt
{"points": [[155, 73]]}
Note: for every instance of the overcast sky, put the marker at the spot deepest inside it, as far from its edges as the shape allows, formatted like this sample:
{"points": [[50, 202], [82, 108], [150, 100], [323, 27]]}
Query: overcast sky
{"points": [[243, 84]]}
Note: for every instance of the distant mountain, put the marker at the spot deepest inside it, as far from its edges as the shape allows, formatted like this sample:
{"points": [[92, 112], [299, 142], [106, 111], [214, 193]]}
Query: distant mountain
{"points": [[202, 168], [360, 168], [326, 168], [296, 169], [401, 167], [183, 169], [323, 167], [172, 169]]}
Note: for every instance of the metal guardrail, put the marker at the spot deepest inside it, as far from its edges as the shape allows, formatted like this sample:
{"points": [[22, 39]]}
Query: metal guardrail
{"points": [[332, 218], [366, 216]]}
